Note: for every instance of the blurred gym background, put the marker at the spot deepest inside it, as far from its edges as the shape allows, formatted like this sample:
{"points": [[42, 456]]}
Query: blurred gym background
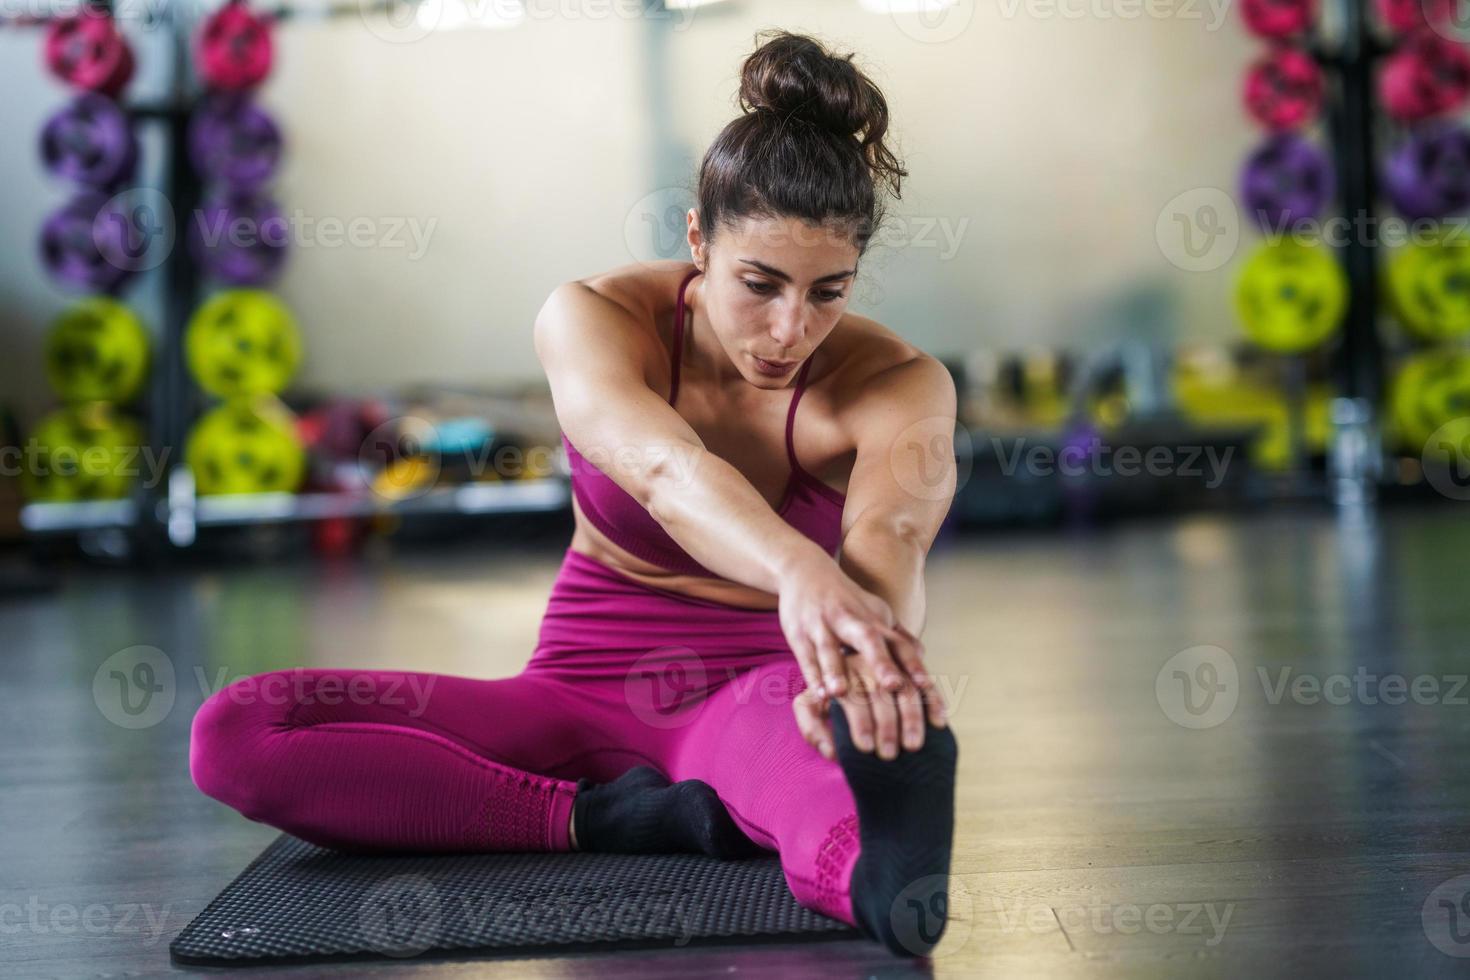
{"points": [[406, 184], [269, 394]]}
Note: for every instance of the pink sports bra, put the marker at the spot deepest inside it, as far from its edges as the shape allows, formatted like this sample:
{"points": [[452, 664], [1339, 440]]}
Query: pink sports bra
{"points": [[807, 504]]}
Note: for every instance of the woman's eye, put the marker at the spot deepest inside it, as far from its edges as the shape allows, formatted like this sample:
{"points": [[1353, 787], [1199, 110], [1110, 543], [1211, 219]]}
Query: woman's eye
{"points": [[765, 288]]}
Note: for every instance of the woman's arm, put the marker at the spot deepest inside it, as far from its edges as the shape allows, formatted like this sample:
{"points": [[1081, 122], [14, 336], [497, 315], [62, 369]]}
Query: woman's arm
{"points": [[902, 483], [595, 354]]}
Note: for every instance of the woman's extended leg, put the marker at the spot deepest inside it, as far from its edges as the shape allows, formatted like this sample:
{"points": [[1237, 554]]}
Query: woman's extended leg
{"points": [[862, 840], [781, 792], [372, 760]]}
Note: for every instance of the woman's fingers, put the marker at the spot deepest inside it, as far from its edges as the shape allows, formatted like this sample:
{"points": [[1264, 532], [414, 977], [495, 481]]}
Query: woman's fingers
{"points": [[935, 708], [871, 645], [833, 663], [911, 699], [909, 652], [910, 703], [885, 723], [857, 705], [811, 721], [806, 660]]}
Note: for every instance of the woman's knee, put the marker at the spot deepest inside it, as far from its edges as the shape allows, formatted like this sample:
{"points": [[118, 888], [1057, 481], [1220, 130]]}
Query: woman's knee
{"points": [[230, 734]]}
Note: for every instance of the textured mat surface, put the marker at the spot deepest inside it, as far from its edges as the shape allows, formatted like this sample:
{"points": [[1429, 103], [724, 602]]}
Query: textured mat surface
{"points": [[301, 901]]}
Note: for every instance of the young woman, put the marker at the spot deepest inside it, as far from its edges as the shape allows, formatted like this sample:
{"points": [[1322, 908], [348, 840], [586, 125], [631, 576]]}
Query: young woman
{"points": [[709, 677]]}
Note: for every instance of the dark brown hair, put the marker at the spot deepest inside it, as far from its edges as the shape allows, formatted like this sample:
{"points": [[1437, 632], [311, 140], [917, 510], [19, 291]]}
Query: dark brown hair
{"points": [[810, 144]]}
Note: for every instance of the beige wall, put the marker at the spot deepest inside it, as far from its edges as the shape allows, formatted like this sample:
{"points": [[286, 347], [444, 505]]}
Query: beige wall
{"points": [[1056, 139], [511, 148]]}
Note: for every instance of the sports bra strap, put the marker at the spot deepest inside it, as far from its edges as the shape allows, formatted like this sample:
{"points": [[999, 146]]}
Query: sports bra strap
{"points": [[791, 416]]}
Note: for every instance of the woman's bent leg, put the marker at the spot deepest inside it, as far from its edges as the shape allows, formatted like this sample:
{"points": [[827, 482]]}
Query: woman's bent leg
{"points": [[378, 760]]}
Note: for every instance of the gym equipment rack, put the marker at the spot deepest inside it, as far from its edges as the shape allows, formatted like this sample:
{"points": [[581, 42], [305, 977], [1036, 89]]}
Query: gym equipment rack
{"points": [[166, 517], [1356, 452]]}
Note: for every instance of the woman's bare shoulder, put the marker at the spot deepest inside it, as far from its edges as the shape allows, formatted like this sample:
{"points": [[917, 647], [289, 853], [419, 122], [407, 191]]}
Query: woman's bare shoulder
{"points": [[645, 289], [861, 349]]}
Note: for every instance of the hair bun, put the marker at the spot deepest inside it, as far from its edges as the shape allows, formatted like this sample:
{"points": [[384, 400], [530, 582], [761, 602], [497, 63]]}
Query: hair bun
{"points": [[795, 77]]}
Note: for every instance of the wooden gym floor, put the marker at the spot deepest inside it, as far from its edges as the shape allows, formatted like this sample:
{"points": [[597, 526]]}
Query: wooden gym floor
{"points": [[1291, 831]]}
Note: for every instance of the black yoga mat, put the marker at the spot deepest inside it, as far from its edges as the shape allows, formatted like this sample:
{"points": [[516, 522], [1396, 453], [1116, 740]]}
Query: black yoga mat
{"points": [[297, 901]]}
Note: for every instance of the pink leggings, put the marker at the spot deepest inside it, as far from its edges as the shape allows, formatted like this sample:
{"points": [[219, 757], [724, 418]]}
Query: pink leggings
{"points": [[623, 675]]}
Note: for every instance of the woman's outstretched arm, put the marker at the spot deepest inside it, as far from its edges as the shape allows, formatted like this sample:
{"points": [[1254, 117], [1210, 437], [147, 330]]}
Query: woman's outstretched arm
{"points": [[596, 355], [902, 483]]}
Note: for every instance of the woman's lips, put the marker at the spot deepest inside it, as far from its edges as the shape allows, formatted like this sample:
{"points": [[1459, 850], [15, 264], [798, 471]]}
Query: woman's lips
{"points": [[773, 368]]}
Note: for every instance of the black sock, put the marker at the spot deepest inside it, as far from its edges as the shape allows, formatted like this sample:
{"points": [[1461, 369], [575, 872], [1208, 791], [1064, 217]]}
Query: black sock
{"points": [[900, 886], [641, 812]]}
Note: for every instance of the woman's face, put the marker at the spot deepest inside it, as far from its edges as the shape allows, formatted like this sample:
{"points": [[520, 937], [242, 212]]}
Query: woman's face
{"points": [[773, 290]]}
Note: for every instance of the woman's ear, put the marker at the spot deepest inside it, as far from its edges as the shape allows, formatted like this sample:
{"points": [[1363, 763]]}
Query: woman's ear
{"points": [[695, 237]]}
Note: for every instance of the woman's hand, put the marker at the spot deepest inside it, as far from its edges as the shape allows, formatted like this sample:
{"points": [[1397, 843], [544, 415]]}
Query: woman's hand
{"points": [[875, 716], [881, 685]]}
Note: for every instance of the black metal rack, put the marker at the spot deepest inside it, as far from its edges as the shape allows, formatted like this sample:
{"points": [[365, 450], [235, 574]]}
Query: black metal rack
{"points": [[1357, 451], [1352, 124], [167, 514]]}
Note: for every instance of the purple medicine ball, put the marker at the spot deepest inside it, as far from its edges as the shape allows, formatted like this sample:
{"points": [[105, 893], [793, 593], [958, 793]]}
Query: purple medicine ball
{"points": [[1286, 180], [1429, 175]]}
